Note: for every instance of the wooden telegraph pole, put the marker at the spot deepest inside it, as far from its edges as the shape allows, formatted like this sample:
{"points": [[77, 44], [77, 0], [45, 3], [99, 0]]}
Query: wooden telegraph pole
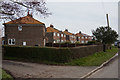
{"points": [[108, 25], [107, 21]]}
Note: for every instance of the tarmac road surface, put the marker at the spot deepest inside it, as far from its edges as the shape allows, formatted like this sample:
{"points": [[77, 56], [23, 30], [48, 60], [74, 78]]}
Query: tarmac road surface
{"points": [[34, 70], [109, 71]]}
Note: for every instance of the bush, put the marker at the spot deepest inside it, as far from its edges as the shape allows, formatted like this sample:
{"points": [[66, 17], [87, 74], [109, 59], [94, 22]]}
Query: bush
{"points": [[77, 42], [59, 55], [91, 42]]}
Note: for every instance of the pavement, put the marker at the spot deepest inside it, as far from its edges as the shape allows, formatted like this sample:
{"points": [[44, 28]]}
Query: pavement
{"points": [[109, 71], [34, 70]]}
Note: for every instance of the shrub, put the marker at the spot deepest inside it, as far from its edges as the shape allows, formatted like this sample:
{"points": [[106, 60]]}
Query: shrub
{"points": [[77, 42], [91, 42]]}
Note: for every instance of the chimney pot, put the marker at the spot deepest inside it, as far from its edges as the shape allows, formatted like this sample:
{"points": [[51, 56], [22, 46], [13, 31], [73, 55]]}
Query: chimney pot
{"points": [[51, 26], [66, 29]]}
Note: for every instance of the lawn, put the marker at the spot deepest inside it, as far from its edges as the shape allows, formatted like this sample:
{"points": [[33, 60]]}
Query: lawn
{"points": [[6, 76], [95, 59]]}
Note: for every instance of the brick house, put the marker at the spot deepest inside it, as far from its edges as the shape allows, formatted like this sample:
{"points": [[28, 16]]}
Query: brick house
{"points": [[54, 35], [70, 36], [83, 38], [25, 31]]}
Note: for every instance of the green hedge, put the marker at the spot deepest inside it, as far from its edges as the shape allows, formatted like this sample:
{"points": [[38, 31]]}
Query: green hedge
{"points": [[59, 55]]}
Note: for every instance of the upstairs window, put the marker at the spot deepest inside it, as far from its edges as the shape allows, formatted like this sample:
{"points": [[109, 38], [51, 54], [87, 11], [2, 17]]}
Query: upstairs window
{"points": [[19, 28], [58, 34], [82, 37], [54, 34], [61, 35], [64, 35], [11, 41]]}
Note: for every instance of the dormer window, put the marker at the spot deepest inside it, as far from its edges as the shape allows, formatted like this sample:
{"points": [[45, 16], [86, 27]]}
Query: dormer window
{"points": [[19, 28]]}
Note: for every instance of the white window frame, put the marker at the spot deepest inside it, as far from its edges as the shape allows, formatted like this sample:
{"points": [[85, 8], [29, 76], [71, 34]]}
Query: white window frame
{"points": [[82, 41], [12, 40], [61, 35], [24, 43], [62, 40], [82, 37], [54, 41], [54, 34], [58, 34], [64, 35], [19, 28]]}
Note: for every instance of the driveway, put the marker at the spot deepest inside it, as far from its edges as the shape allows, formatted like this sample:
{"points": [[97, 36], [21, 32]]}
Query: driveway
{"points": [[34, 70]]}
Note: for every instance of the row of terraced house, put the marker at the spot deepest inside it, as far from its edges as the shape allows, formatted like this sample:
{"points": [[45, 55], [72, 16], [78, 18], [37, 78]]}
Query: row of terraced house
{"points": [[28, 31], [56, 36]]}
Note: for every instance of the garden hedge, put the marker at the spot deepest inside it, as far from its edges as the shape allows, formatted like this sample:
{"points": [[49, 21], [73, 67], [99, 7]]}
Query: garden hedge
{"points": [[57, 55]]}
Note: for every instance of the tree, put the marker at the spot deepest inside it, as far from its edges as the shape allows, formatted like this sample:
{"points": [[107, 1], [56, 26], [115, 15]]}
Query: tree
{"points": [[10, 9], [105, 35]]}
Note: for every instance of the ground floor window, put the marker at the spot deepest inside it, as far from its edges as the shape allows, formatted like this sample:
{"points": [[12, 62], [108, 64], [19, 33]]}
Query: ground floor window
{"points": [[3, 42], [11, 41], [82, 42], [54, 42], [24, 43]]}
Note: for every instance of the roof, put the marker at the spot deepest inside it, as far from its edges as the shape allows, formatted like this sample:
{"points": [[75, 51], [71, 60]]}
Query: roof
{"points": [[25, 20], [67, 33], [82, 34], [51, 29]]}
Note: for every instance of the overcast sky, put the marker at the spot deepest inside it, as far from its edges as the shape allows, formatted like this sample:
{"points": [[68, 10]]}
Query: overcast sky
{"points": [[81, 16]]}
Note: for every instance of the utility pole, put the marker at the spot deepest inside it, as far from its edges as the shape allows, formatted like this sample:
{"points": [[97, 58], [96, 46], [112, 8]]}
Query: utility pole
{"points": [[108, 25], [107, 20]]}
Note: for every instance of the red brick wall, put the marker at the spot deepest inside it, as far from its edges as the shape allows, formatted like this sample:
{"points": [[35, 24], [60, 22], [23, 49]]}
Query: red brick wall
{"points": [[31, 34]]}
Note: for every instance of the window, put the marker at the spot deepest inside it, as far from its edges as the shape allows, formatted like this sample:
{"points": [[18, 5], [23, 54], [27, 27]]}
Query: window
{"points": [[61, 40], [64, 35], [85, 37], [82, 42], [19, 28], [3, 42], [24, 43], [61, 35], [11, 41], [82, 37], [58, 34], [86, 41], [54, 34], [58, 41], [54, 42], [72, 41]]}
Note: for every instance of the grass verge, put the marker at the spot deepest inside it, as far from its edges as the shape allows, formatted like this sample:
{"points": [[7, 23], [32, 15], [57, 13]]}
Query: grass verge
{"points": [[6, 76], [95, 59]]}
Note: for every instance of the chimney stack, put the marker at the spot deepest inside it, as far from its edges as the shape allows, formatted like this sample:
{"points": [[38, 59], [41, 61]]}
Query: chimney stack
{"points": [[51, 26], [29, 14], [66, 30], [79, 32]]}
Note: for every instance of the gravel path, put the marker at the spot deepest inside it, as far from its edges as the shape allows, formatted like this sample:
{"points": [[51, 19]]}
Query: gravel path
{"points": [[34, 70]]}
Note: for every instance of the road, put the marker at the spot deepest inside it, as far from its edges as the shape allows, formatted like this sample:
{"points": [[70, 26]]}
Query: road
{"points": [[34, 70], [109, 71]]}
